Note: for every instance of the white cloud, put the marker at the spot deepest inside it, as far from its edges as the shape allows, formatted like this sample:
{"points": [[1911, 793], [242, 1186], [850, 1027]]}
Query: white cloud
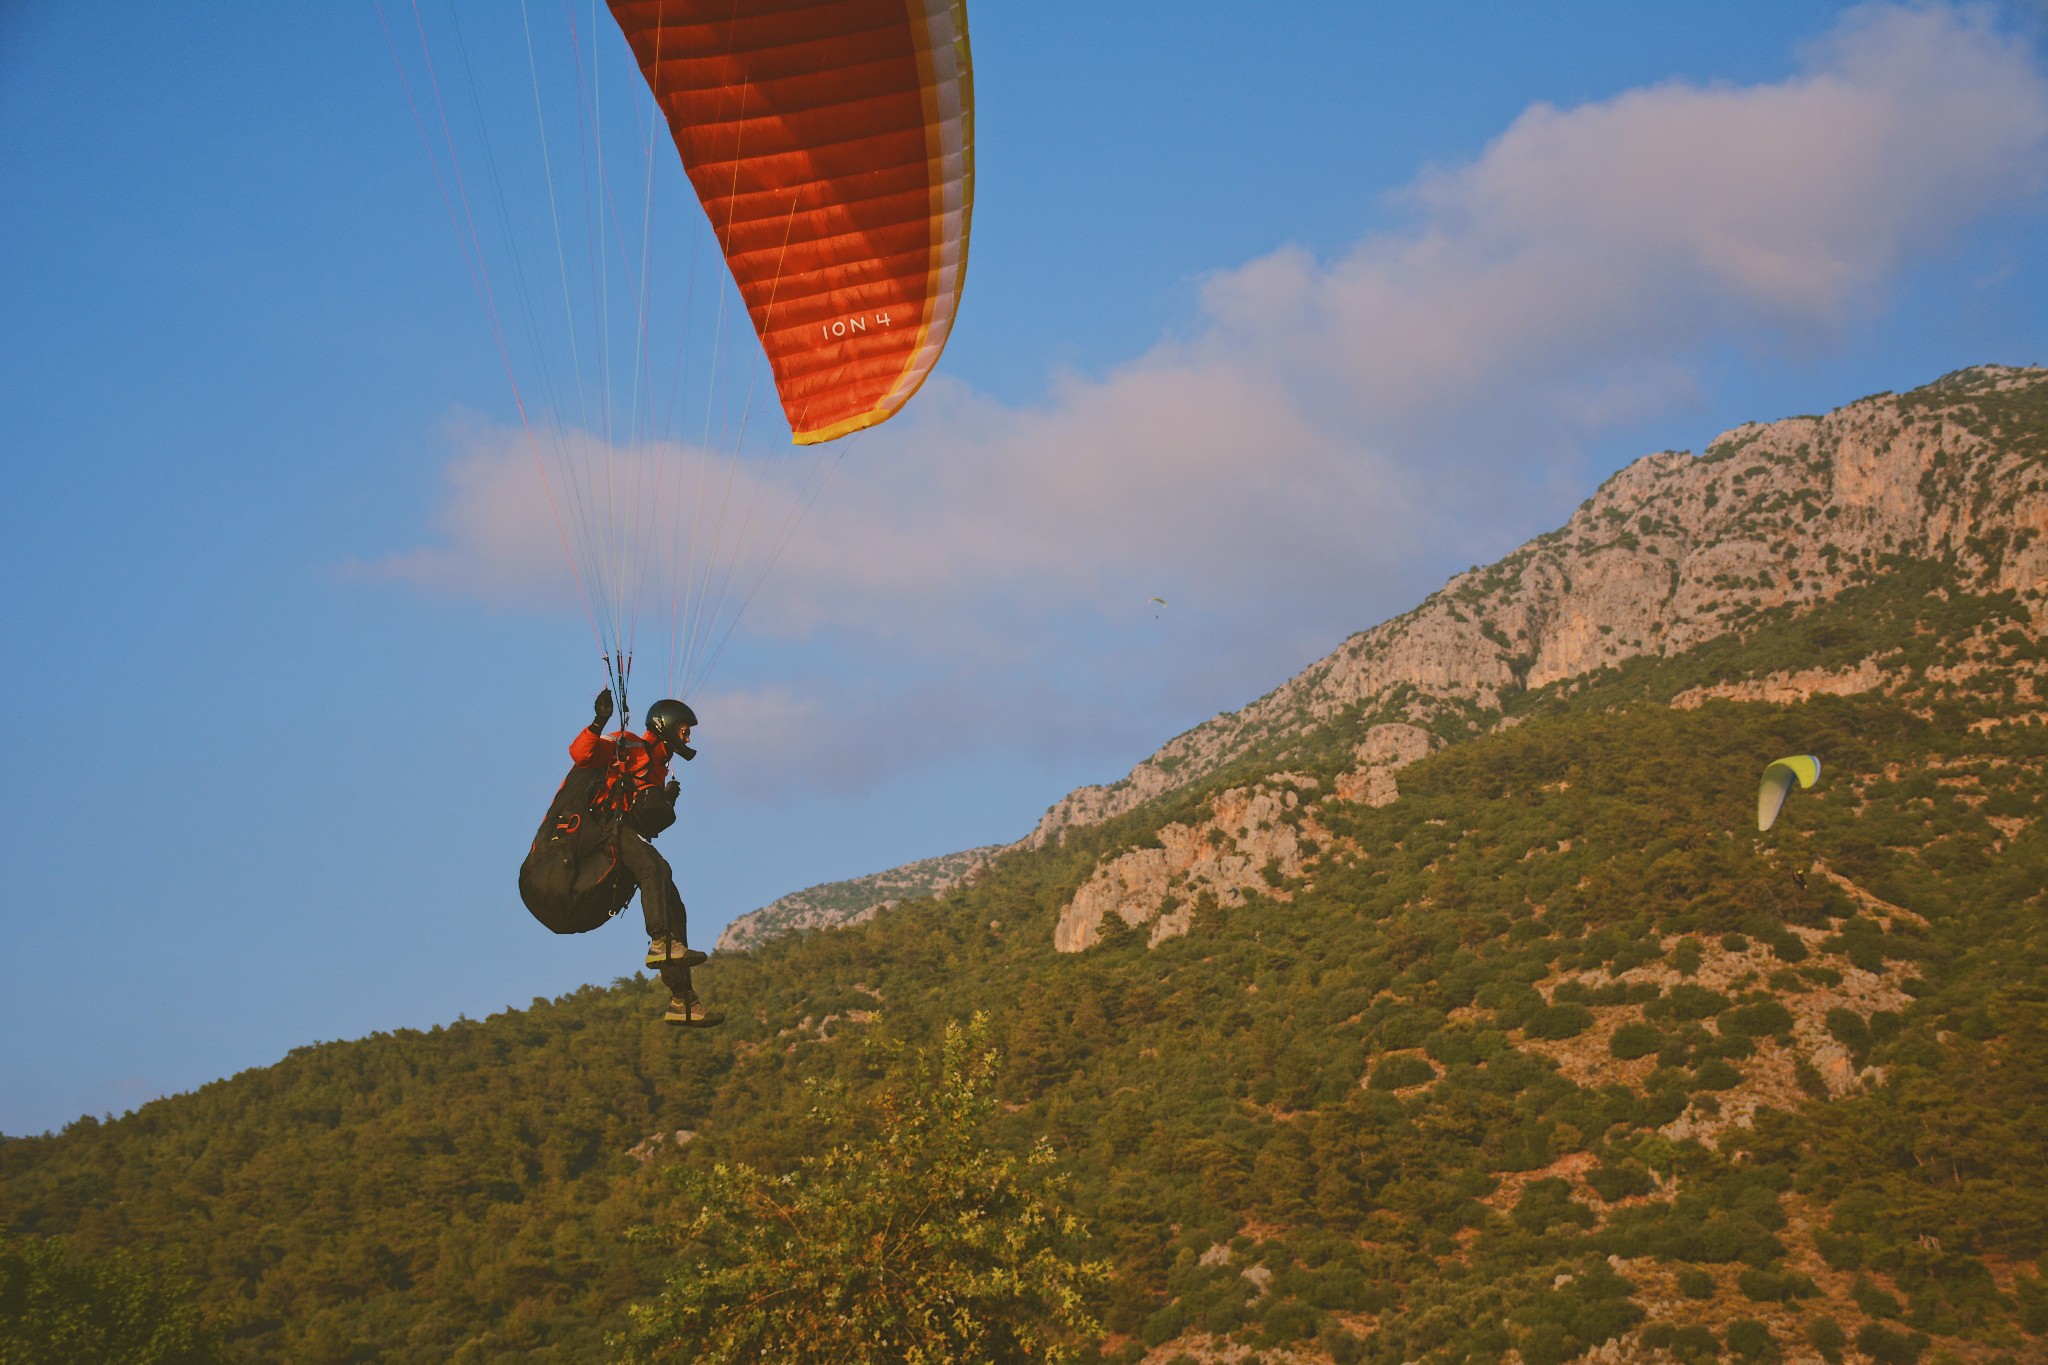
{"points": [[1336, 435]]}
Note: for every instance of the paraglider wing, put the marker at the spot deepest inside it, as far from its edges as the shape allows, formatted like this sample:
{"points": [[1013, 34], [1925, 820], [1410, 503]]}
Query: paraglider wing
{"points": [[831, 143], [1777, 785]]}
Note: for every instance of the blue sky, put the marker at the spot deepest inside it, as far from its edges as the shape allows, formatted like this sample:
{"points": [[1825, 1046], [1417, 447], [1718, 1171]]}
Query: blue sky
{"points": [[1283, 323]]}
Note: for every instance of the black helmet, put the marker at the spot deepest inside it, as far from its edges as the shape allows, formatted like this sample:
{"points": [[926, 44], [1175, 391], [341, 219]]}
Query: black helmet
{"points": [[666, 718]]}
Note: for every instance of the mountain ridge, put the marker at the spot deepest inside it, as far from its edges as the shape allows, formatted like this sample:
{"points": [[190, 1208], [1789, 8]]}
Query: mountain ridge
{"points": [[1670, 551]]}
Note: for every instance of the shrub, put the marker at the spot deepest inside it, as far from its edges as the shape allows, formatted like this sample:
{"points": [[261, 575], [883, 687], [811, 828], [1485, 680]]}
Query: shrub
{"points": [[1695, 1283], [1694, 1345], [1874, 1301], [1559, 1021], [1735, 943], [1620, 1181], [60, 1304], [1716, 1074], [1887, 1347], [1841, 1253], [918, 1240], [1547, 1203], [1751, 1340], [1757, 1020], [1164, 1325], [1687, 1001], [1768, 1286], [1635, 1039], [1343, 1347], [1787, 947], [1686, 956], [1828, 1338], [1452, 1047], [1399, 1072], [1287, 1322], [1850, 1030]]}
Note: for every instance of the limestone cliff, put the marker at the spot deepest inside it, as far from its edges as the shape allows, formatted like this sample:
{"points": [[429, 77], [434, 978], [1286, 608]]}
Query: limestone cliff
{"points": [[1673, 551]]}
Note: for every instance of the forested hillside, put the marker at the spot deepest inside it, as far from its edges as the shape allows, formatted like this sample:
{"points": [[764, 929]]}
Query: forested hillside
{"points": [[1518, 1041]]}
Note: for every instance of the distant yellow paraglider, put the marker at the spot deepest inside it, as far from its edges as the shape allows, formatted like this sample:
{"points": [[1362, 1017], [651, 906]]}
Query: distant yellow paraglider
{"points": [[1777, 785]]}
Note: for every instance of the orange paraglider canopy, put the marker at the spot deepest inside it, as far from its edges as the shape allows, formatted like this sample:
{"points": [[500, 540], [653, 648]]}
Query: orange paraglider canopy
{"points": [[831, 143]]}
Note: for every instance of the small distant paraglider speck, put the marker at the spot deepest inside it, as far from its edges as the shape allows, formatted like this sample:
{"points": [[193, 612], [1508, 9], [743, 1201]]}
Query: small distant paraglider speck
{"points": [[1777, 785]]}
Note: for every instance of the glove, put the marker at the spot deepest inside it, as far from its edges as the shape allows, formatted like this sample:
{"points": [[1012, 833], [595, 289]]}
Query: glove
{"points": [[603, 710], [672, 790]]}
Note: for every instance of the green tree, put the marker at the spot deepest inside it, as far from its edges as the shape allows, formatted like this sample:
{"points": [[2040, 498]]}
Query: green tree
{"points": [[921, 1244], [59, 1305]]}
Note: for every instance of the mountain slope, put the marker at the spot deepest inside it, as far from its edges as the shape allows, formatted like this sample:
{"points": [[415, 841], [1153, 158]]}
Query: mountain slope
{"points": [[1669, 553], [1482, 1024], [1674, 551], [854, 900]]}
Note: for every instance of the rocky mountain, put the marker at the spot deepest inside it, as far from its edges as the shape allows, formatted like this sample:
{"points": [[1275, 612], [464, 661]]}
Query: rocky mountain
{"points": [[1672, 551], [855, 900]]}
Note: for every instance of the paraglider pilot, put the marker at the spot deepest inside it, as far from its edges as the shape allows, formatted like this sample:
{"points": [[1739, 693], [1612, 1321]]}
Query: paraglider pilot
{"points": [[638, 787]]}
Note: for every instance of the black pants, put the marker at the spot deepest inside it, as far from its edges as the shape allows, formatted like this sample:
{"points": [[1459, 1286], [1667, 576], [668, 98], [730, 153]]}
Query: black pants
{"points": [[661, 905]]}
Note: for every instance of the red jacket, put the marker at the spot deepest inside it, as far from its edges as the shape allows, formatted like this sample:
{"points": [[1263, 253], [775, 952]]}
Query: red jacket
{"points": [[636, 763]]}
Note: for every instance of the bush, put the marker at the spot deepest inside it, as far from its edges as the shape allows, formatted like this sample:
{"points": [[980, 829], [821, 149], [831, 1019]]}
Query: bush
{"points": [[1287, 1322], [1343, 1347], [1751, 1340], [1686, 956], [1716, 1074], [1695, 1283], [1635, 1039], [1850, 1030], [1887, 1347], [1399, 1072], [1558, 1021], [1687, 1001], [1164, 1325], [1765, 1017], [1787, 947], [1547, 1203], [1620, 1181], [1694, 1345], [1767, 1286], [1841, 1253], [918, 1239], [58, 1304], [1828, 1338], [1874, 1301]]}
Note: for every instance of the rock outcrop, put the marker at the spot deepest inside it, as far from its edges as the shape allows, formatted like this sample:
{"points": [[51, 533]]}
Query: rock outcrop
{"points": [[854, 900], [1669, 553]]}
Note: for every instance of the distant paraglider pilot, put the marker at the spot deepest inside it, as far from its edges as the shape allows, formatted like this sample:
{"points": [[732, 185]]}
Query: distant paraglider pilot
{"points": [[594, 849]]}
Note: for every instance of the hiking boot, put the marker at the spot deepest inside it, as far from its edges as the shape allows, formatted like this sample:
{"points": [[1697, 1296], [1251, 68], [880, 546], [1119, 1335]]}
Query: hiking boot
{"points": [[687, 1011], [662, 952]]}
